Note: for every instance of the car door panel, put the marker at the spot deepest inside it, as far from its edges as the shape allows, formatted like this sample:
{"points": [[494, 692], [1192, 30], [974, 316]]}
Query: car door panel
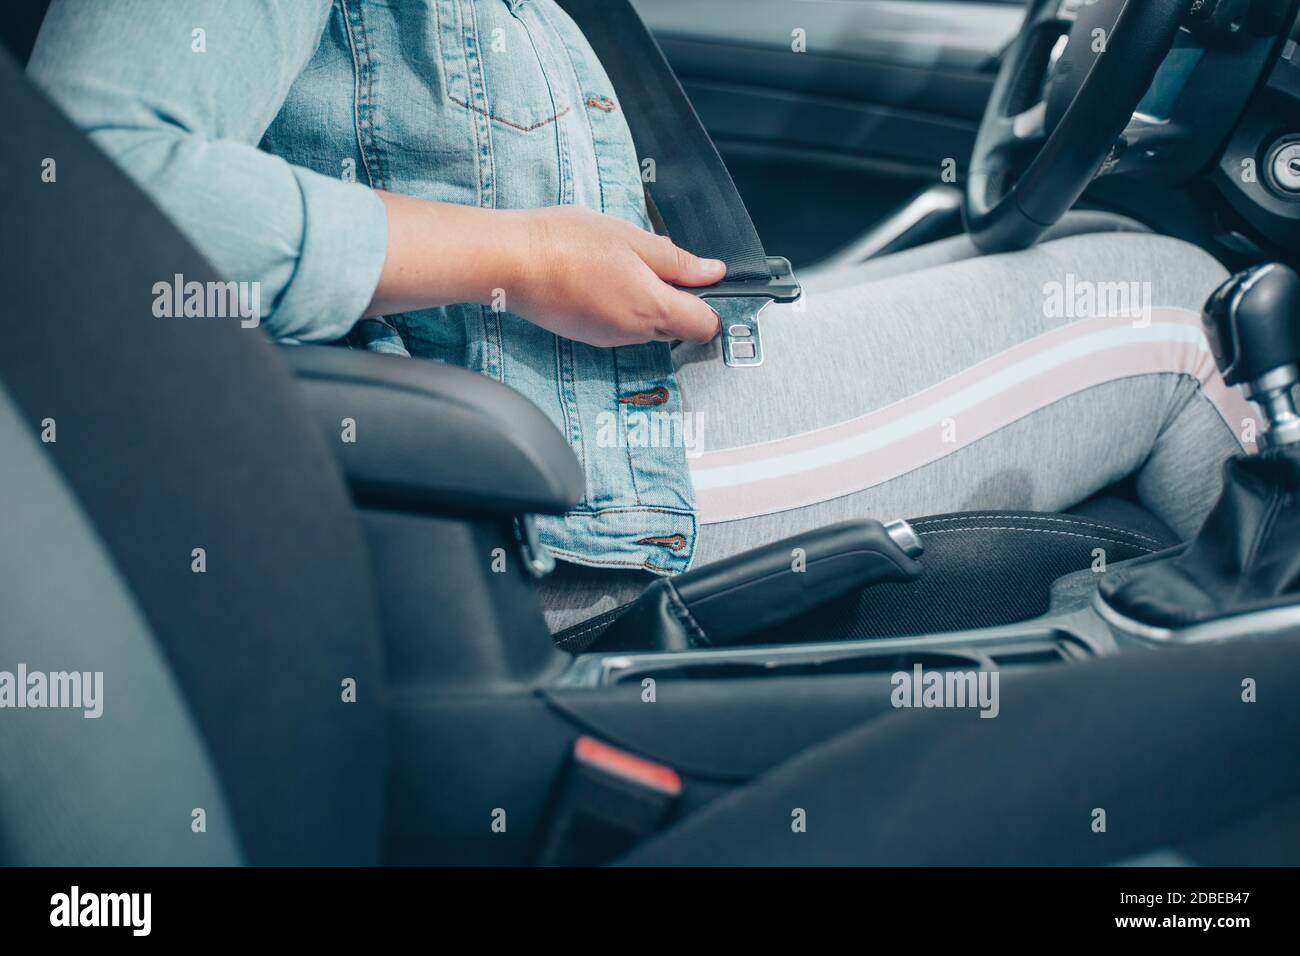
{"points": [[826, 142]]}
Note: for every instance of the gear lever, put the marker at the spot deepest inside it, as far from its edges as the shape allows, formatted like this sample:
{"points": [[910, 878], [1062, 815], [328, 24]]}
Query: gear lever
{"points": [[1240, 575], [1253, 323]]}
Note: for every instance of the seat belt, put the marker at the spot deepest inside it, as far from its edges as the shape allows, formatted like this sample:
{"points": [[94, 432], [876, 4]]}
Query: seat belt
{"points": [[691, 196]]}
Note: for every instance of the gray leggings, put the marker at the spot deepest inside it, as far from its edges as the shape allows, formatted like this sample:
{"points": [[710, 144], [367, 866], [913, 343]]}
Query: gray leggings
{"points": [[1029, 380]]}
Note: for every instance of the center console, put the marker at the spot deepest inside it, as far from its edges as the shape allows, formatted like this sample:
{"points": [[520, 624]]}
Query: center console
{"points": [[717, 676]]}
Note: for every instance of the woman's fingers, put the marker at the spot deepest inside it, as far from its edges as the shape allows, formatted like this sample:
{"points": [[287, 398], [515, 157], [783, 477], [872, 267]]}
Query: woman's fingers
{"points": [[681, 315], [687, 317], [674, 264], [603, 281]]}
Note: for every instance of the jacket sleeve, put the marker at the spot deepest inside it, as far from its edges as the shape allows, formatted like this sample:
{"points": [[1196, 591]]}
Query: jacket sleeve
{"points": [[182, 111]]}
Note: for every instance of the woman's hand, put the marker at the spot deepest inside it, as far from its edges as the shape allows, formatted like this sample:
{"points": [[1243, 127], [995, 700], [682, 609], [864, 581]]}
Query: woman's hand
{"points": [[603, 281], [574, 272]]}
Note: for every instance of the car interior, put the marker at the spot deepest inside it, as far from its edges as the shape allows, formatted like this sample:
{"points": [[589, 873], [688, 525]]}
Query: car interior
{"points": [[403, 569]]}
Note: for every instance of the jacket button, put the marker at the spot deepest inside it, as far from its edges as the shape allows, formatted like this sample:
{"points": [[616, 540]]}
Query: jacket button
{"points": [[656, 396], [673, 542]]}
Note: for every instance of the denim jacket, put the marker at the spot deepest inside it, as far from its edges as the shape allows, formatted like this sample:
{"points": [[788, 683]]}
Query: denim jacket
{"points": [[260, 127]]}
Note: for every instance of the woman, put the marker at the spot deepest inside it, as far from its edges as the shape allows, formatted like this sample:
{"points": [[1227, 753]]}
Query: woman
{"points": [[458, 173]]}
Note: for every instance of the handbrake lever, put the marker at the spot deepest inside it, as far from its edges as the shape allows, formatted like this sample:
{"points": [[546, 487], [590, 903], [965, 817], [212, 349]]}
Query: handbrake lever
{"points": [[723, 603]]}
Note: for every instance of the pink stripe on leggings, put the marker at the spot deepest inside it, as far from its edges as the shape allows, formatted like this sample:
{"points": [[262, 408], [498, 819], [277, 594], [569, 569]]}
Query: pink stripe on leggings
{"points": [[868, 450]]}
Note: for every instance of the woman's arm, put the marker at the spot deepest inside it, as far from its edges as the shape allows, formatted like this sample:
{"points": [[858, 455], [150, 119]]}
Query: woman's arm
{"points": [[580, 274], [185, 125]]}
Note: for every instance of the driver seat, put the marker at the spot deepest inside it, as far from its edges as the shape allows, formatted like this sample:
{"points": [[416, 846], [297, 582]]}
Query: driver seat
{"points": [[161, 528]]}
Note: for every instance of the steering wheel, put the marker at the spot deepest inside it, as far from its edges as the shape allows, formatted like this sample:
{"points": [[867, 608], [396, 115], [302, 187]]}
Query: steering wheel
{"points": [[1065, 103]]}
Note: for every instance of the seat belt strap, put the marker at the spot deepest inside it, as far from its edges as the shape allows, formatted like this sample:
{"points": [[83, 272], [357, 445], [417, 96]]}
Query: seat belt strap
{"points": [[691, 195], [691, 188]]}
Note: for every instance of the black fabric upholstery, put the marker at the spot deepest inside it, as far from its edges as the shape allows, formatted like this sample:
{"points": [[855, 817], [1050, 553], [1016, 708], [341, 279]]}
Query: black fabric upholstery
{"points": [[19, 26], [984, 569], [981, 569], [177, 434], [1161, 742], [1116, 507]]}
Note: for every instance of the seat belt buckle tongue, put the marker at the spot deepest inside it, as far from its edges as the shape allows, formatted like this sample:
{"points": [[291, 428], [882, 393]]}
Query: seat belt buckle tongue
{"points": [[608, 801], [739, 304], [742, 343]]}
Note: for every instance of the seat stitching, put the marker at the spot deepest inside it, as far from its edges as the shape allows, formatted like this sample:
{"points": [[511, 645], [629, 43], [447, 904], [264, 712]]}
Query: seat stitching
{"points": [[587, 628], [1017, 517], [1068, 534], [1014, 517]]}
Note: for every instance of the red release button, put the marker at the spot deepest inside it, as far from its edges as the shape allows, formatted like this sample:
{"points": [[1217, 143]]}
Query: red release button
{"points": [[620, 763]]}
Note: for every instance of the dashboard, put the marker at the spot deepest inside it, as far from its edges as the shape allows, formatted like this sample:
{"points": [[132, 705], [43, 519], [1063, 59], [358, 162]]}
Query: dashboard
{"points": [[889, 90]]}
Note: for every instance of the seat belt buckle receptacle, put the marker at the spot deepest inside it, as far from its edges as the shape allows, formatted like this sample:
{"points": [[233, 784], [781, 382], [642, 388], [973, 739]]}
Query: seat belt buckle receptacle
{"points": [[608, 801]]}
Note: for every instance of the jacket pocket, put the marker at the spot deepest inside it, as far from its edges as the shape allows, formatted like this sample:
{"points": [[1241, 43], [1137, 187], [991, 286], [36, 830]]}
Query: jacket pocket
{"points": [[490, 63]]}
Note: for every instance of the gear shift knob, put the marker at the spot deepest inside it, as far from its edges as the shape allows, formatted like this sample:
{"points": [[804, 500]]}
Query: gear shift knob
{"points": [[1253, 324]]}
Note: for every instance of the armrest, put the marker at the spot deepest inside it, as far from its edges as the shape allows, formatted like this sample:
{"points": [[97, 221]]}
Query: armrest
{"points": [[435, 438], [725, 602]]}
